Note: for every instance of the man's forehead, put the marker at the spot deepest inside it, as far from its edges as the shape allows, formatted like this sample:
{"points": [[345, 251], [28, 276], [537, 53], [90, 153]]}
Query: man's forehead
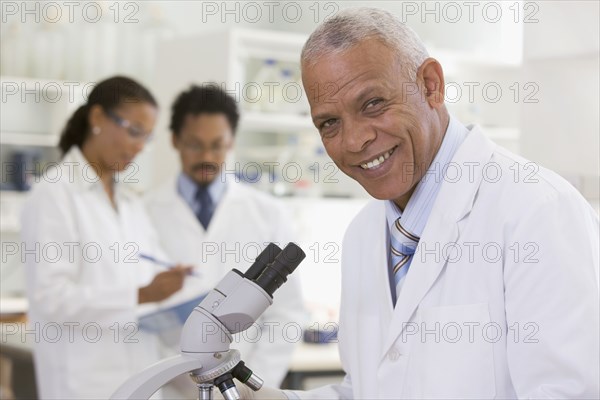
{"points": [[355, 83], [364, 51], [205, 118], [205, 124], [336, 68]]}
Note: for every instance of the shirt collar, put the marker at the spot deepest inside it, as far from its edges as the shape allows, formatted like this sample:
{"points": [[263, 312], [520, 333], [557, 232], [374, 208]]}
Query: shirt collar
{"points": [[416, 213], [187, 188]]}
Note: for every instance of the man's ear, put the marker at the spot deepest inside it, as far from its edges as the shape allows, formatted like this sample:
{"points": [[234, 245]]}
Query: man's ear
{"points": [[231, 140], [174, 140], [230, 145], [432, 76]]}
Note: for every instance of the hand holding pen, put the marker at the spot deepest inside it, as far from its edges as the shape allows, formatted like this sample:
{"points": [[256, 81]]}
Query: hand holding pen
{"points": [[166, 264], [165, 283]]}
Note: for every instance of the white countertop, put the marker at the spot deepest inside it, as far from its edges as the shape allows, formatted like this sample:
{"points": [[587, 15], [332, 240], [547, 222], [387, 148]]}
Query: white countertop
{"points": [[316, 357]]}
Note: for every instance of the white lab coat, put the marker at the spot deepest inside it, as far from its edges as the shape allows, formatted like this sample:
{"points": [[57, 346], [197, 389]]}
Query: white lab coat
{"points": [[520, 325], [244, 221], [82, 282]]}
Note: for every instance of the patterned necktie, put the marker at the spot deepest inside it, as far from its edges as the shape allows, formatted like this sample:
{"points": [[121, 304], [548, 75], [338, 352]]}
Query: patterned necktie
{"points": [[206, 206], [403, 245]]}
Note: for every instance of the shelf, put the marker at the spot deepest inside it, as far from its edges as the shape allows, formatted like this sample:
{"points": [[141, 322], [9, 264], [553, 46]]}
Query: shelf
{"points": [[28, 139], [13, 305], [10, 227], [283, 46], [275, 122], [11, 203], [260, 152], [31, 83], [50, 85]]}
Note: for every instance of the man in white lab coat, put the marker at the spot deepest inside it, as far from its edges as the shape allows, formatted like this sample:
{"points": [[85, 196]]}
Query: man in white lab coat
{"points": [[473, 274], [216, 224]]}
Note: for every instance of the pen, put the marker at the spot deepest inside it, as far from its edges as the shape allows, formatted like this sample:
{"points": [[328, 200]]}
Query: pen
{"points": [[164, 264]]}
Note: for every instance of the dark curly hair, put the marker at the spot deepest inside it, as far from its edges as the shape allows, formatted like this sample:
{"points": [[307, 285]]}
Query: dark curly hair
{"points": [[208, 99]]}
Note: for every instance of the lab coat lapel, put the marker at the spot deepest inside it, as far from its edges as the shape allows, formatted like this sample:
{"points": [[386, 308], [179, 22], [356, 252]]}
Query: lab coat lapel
{"points": [[453, 203], [182, 215], [382, 277], [220, 221]]}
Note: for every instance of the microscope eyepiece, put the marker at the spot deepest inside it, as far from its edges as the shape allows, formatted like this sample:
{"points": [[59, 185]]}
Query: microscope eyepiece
{"points": [[266, 257], [275, 273]]}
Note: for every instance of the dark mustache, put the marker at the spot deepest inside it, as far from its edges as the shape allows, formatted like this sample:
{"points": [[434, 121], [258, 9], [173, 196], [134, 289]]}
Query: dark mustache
{"points": [[212, 167]]}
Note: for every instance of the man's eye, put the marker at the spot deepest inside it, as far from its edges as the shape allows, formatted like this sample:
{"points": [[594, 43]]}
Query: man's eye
{"points": [[328, 123], [373, 103], [138, 132]]}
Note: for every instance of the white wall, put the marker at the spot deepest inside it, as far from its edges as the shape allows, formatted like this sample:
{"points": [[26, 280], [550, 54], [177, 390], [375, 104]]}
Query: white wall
{"points": [[561, 132]]}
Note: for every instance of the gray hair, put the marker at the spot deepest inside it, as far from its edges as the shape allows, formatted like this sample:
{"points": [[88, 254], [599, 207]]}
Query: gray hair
{"points": [[354, 25]]}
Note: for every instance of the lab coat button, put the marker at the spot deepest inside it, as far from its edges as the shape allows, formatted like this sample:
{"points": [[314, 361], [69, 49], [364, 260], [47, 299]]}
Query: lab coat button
{"points": [[394, 355]]}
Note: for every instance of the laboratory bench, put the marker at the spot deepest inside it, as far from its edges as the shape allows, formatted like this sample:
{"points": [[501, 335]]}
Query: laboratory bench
{"points": [[312, 365], [17, 374]]}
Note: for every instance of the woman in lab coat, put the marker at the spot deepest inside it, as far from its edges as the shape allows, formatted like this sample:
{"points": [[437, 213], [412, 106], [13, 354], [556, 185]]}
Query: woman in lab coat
{"points": [[82, 234]]}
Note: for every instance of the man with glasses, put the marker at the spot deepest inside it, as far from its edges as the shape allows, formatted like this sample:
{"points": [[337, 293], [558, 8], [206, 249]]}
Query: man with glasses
{"points": [[213, 222]]}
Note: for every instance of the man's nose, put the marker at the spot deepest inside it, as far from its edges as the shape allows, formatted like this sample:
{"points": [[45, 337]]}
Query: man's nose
{"points": [[206, 156], [357, 136]]}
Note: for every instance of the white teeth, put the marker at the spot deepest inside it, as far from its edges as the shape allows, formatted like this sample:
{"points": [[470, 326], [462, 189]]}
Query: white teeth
{"points": [[378, 161]]}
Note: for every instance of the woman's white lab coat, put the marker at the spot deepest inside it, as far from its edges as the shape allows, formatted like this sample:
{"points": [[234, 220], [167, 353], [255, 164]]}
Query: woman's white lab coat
{"points": [[83, 277], [244, 221], [501, 298]]}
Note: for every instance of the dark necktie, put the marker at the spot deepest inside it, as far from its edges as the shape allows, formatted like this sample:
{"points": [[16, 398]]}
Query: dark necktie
{"points": [[206, 206]]}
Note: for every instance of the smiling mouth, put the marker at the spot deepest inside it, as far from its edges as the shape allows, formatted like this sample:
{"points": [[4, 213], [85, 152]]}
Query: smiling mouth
{"points": [[377, 161]]}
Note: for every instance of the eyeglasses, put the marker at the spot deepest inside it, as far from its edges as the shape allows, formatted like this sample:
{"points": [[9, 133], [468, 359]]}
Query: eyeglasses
{"points": [[133, 131], [197, 148]]}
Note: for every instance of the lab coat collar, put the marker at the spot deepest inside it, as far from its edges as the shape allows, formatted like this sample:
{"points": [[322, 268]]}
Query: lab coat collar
{"points": [[169, 198], [169, 189], [188, 189], [76, 169], [454, 202]]}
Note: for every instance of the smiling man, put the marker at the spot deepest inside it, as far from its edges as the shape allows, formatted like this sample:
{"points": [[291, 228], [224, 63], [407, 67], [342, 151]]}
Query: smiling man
{"points": [[373, 122], [468, 276]]}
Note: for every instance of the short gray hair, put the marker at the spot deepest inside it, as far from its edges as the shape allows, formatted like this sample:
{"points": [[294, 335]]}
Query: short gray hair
{"points": [[351, 26]]}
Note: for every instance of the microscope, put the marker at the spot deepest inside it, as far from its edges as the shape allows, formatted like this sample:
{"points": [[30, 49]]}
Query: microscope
{"points": [[231, 307]]}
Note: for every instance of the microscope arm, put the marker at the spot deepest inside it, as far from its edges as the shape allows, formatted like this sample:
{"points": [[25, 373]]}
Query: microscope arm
{"points": [[145, 383]]}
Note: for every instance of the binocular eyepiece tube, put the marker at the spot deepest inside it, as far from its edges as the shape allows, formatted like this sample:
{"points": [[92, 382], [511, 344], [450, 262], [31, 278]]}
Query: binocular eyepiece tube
{"points": [[273, 265]]}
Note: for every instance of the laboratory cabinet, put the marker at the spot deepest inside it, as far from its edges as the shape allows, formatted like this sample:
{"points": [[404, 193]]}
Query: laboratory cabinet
{"points": [[277, 147]]}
